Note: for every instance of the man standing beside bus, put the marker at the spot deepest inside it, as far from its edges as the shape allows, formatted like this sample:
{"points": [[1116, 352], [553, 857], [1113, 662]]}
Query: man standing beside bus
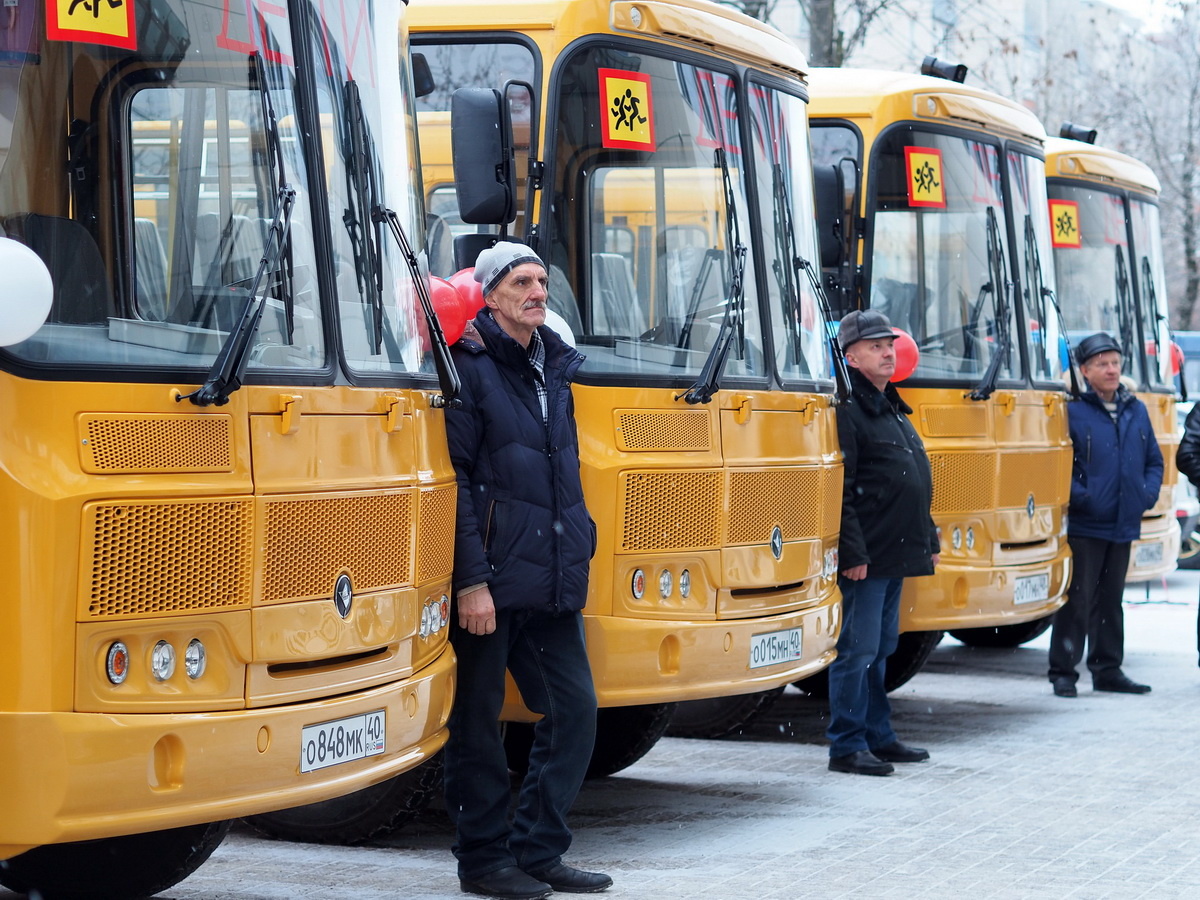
{"points": [[887, 535], [1115, 477], [523, 543]]}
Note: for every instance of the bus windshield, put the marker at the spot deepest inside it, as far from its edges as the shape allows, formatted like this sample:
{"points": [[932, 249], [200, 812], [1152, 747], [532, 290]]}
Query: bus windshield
{"points": [[663, 202], [939, 256], [182, 149], [1151, 280]]}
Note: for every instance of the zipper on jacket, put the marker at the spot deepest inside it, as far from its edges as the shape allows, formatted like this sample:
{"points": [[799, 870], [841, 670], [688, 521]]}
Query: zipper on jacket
{"points": [[487, 531]]}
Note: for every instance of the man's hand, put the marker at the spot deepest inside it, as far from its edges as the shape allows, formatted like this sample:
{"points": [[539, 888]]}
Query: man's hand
{"points": [[477, 612], [937, 558], [855, 573]]}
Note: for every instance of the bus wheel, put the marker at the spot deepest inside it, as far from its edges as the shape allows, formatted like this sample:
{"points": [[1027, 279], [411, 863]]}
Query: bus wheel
{"points": [[906, 661], [624, 734], [117, 868], [1004, 635], [720, 716], [359, 816], [1189, 551]]}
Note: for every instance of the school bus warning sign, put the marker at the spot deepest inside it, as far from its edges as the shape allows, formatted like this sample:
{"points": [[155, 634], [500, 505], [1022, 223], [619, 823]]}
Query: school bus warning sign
{"points": [[108, 22], [1064, 224], [925, 184], [627, 108]]}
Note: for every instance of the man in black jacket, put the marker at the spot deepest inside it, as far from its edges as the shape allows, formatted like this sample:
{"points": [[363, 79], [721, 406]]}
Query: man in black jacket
{"points": [[523, 542], [887, 534], [1187, 457]]}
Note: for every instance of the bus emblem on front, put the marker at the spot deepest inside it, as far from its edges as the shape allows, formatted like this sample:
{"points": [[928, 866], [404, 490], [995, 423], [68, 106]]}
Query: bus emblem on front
{"points": [[1030, 506], [777, 542], [343, 595]]}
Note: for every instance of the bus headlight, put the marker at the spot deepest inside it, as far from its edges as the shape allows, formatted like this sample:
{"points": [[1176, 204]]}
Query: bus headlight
{"points": [[665, 582], [116, 665], [685, 584], [162, 661], [956, 538], [195, 658], [970, 538]]}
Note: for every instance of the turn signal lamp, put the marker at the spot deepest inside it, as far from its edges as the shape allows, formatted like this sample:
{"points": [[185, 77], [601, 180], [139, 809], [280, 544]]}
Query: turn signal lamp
{"points": [[638, 584], [116, 665]]}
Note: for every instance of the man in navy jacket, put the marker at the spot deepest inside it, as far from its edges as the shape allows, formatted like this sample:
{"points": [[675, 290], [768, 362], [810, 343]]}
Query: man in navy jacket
{"points": [[1116, 475], [522, 547]]}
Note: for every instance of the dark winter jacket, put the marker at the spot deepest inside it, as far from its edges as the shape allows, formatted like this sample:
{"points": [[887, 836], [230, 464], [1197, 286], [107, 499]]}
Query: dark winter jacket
{"points": [[888, 486], [1188, 455], [522, 525], [1117, 467]]}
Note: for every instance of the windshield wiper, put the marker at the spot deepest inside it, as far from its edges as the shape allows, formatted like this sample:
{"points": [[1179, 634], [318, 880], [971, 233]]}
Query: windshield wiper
{"points": [[447, 373], [229, 368], [1124, 307], [709, 381], [359, 156], [1152, 300], [998, 288], [785, 231], [1037, 294]]}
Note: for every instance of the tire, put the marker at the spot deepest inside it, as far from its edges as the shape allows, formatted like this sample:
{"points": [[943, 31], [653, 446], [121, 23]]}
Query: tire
{"points": [[720, 716], [359, 816], [1004, 635], [118, 868], [1189, 551], [911, 652], [624, 734]]}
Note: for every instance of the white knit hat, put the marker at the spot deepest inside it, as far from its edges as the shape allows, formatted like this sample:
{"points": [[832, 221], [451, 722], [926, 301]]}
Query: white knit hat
{"points": [[498, 260]]}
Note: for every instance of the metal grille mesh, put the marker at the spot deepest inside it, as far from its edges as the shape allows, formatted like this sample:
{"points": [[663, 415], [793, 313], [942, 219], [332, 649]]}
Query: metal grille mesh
{"points": [[309, 542], [793, 499], [663, 430], [153, 558], [435, 537], [954, 421], [963, 482], [134, 444], [1038, 472], [671, 510]]}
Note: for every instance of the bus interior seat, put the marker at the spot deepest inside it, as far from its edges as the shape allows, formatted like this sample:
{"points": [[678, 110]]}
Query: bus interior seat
{"points": [[614, 296], [149, 270], [82, 294], [439, 241], [229, 253]]}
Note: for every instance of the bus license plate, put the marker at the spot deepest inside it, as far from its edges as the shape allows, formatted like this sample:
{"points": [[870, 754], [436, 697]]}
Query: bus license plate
{"points": [[343, 740], [775, 647], [1148, 554], [1031, 589]]}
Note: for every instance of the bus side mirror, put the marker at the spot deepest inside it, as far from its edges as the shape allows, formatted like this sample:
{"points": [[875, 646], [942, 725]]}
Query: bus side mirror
{"points": [[27, 294], [830, 192], [481, 143], [423, 83]]}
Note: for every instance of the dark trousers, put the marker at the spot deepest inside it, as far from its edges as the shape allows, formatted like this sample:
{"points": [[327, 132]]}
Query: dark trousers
{"points": [[859, 710], [548, 661], [1092, 611]]}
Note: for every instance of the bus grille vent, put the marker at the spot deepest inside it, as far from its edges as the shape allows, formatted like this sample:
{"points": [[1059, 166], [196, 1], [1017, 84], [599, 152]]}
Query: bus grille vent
{"points": [[963, 482], [150, 444], [671, 510], [311, 541], [1043, 473], [155, 558], [665, 431], [435, 537], [793, 499], [955, 421]]}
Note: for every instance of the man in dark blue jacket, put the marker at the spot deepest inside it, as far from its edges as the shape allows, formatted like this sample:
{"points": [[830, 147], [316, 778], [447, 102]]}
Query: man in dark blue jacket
{"points": [[887, 535], [1116, 474], [522, 547]]}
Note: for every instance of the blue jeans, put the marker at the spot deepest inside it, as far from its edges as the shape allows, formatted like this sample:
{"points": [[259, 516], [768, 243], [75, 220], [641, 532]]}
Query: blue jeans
{"points": [[859, 711], [548, 661]]}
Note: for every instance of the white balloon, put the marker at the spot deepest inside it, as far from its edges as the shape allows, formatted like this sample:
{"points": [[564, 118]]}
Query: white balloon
{"points": [[27, 293], [559, 325]]}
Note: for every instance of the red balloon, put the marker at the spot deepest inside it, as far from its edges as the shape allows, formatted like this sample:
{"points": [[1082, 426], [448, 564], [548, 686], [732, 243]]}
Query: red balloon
{"points": [[448, 304], [907, 355], [1176, 358], [469, 289]]}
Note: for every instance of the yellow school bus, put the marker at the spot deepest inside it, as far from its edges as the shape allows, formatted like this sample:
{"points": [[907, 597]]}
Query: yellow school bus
{"points": [[933, 196], [226, 500], [659, 162], [1108, 260]]}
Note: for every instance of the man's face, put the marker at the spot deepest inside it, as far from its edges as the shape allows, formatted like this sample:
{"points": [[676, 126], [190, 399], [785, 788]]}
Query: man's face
{"points": [[518, 302], [1103, 371], [875, 358]]}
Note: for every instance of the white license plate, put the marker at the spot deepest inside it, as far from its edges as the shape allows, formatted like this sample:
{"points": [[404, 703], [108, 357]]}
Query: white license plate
{"points": [[343, 740], [1031, 588], [1148, 554], [776, 647]]}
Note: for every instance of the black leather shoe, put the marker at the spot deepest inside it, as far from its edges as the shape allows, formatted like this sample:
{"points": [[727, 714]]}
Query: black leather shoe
{"points": [[1119, 684], [570, 880], [1065, 687], [864, 762], [897, 752], [509, 883]]}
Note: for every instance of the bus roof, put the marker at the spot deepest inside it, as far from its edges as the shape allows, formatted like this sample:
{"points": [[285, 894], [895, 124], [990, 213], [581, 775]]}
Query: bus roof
{"points": [[1076, 159], [901, 96], [701, 24]]}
